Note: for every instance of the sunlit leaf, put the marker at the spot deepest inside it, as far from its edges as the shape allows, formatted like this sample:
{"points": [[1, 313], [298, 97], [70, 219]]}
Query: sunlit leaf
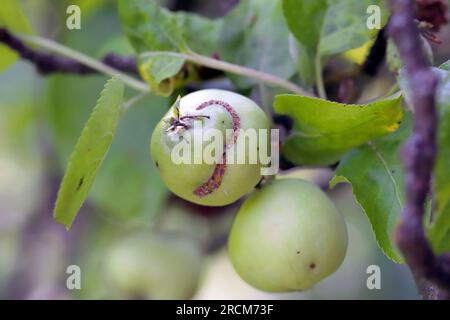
{"points": [[89, 152], [324, 130]]}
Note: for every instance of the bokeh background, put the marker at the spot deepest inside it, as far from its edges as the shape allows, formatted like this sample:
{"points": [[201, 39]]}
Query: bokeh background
{"points": [[40, 120]]}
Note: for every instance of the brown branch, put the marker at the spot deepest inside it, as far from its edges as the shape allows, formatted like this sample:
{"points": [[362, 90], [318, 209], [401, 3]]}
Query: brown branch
{"points": [[47, 63], [418, 154]]}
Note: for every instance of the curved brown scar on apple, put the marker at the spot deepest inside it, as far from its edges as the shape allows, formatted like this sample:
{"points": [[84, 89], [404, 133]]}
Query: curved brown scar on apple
{"points": [[214, 182]]}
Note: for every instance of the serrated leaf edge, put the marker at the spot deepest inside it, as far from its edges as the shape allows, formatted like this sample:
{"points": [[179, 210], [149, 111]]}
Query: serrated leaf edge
{"points": [[94, 112]]}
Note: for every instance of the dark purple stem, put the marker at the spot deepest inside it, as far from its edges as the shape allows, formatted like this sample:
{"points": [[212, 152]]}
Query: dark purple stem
{"points": [[418, 155], [47, 63]]}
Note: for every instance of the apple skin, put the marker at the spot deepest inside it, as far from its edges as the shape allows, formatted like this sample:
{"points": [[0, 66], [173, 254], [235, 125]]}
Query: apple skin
{"points": [[154, 266], [287, 236], [184, 179]]}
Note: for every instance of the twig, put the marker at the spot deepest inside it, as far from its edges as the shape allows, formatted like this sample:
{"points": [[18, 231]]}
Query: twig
{"points": [[418, 154], [128, 104], [232, 68], [122, 63], [71, 61], [319, 78], [74, 61], [86, 60], [47, 63]]}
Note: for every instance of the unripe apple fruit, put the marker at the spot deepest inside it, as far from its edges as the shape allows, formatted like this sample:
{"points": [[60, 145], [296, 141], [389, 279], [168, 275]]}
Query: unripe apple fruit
{"points": [[154, 266], [202, 182], [287, 236]]}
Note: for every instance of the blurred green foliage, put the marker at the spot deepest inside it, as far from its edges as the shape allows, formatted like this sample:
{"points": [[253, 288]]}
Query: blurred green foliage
{"points": [[42, 117]]}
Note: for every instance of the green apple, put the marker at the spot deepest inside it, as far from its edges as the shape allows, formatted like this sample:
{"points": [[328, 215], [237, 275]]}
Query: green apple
{"points": [[287, 236], [154, 266], [203, 182]]}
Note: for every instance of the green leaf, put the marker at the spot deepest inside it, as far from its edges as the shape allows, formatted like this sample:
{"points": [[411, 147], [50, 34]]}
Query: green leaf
{"points": [[150, 27], [324, 130], [159, 72], [305, 20], [439, 231], [128, 175], [303, 60], [69, 104], [13, 18], [328, 27], [254, 34], [377, 179], [201, 34], [89, 153], [345, 27]]}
